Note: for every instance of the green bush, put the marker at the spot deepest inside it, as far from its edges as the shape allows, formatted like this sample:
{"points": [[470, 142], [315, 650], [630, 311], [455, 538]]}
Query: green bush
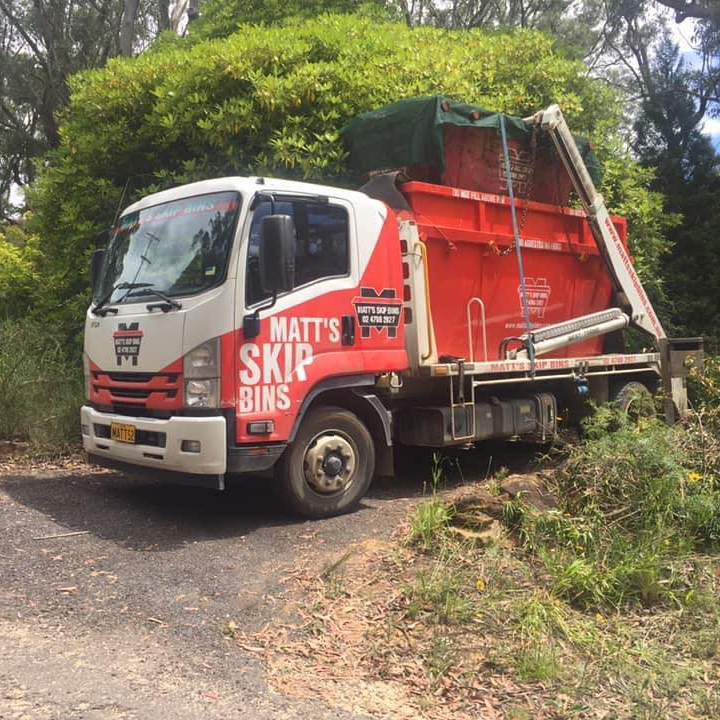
{"points": [[271, 100], [220, 18], [19, 255], [41, 387], [633, 509]]}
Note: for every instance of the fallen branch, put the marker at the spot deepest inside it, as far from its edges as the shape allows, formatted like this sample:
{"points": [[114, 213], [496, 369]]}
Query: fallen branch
{"points": [[62, 535]]}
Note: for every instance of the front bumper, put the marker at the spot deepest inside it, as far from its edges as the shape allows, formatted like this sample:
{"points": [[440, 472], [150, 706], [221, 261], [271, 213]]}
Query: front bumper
{"points": [[165, 452]]}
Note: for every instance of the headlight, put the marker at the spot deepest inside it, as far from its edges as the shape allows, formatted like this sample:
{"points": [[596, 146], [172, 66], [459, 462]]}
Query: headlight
{"points": [[202, 393], [86, 374], [201, 375], [203, 361]]}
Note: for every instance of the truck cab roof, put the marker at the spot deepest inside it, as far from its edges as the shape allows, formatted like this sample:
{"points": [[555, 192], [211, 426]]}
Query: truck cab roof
{"points": [[250, 185]]}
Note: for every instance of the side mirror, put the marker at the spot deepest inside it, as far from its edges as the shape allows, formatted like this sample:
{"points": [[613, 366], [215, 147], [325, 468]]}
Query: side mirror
{"points": [[277, 254], [96, 266]]}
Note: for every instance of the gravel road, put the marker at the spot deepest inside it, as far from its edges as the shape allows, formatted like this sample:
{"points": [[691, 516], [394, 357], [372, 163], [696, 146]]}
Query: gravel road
{"points": [[126, 619]]}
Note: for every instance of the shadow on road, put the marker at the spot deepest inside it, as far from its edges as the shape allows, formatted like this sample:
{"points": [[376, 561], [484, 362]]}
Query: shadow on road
{"points": [[143, 514]]}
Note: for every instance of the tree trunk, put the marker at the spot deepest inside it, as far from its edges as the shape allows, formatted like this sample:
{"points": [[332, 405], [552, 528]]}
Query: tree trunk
{"points": [[177, 14], [164, 15], [127, 29]]}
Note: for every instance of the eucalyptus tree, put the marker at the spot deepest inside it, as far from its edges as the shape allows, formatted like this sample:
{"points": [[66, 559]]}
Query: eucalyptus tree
{"points": [[42, 44]]}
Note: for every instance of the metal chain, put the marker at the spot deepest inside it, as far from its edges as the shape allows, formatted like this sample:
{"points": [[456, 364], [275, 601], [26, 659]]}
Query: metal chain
{"points": [[531, 178], [526, 207]]}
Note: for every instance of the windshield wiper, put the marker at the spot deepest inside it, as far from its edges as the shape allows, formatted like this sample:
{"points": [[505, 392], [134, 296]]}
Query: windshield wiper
{"points": [[167, 303], [100, 309]]}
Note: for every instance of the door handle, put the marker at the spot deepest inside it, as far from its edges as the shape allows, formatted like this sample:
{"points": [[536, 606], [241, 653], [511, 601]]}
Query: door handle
{"points": [[348, 329]]}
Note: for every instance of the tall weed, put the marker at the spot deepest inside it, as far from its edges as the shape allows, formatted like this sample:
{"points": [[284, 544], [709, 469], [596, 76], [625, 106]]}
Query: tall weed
{"points": [[41, 387]]}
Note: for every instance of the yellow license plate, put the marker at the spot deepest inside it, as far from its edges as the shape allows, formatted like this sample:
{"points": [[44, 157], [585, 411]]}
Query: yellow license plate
{"points": [[122, 432]]}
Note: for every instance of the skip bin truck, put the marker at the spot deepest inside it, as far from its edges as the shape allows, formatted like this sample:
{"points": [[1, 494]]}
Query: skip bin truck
{"points": [[243, 325]]}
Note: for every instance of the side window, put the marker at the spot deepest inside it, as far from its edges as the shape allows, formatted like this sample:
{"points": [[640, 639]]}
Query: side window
{"points": [[321, 244]]}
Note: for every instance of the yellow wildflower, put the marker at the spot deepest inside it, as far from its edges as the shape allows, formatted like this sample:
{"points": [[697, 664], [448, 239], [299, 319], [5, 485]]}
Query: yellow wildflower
{"points": [[480, 584], [694, 477]]}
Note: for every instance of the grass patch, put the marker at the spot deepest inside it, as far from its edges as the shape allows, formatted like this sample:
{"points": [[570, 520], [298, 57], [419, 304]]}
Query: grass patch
{"points": [[441, 594], [429, 524], [610, 600], [633, 512], [537, 663], [41, 388]]}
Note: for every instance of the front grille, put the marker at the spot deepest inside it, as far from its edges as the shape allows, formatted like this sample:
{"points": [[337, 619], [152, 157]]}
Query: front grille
{"points": [[136, 377], [135, 411], [131, 393], [137, 391]]}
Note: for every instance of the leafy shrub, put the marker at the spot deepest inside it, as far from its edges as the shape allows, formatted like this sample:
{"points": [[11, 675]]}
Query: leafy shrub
{"points": [[18, 274], [633, 507], [41, 388], [220, 18], [271, 100]]}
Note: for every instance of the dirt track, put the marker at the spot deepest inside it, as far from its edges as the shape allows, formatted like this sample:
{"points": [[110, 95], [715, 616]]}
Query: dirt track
{"points": [[127, 620]]}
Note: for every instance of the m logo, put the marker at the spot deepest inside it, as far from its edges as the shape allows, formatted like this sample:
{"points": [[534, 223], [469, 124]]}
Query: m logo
{"points": [[127, 340], [537, 291], [379, 310]]}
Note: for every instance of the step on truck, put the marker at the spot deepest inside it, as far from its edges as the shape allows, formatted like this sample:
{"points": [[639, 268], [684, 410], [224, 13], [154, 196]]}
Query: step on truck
{"points": [[257, 325]]}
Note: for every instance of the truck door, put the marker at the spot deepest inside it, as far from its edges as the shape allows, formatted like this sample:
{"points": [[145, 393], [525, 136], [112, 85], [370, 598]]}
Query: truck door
{"points": [[301, 337]]}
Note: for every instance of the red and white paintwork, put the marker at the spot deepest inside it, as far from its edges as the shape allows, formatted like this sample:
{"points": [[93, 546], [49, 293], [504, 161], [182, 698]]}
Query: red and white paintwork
{"points": [[433, 260], [268, 377]]}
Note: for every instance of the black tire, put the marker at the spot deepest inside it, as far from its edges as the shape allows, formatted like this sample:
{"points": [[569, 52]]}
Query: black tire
{"points": [[339, 447], [634, 399]]}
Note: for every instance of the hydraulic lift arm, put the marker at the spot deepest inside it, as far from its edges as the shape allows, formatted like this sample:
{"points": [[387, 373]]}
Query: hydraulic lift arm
{"points": [[675, 353], [627, 284]]}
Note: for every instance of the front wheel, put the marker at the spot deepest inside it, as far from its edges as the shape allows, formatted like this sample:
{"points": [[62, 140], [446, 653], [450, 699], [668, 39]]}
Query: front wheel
{"points": [[329, 467]]}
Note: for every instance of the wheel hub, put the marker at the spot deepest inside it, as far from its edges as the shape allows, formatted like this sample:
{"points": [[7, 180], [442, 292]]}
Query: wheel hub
{"points": [[333, 464], [329, 463]]}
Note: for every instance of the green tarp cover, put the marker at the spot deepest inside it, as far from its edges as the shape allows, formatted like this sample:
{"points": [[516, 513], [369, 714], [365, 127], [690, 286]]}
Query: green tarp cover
{"points": [[409, 132]]}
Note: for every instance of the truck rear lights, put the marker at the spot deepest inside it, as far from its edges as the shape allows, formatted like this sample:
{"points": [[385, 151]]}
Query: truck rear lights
{"points": [[261, 427], [191, 446]]}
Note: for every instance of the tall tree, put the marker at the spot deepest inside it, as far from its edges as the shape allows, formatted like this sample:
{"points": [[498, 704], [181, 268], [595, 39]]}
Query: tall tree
{"points": [[669, 138], [43, 43], [699, 9], [220, 18]]}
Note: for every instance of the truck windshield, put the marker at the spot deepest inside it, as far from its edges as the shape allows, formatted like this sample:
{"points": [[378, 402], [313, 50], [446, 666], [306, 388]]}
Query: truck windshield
{"points": [[178, 248]]}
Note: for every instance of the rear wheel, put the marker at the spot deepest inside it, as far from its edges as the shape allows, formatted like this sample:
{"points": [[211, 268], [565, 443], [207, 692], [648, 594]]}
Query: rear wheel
{"points": [[634, 399], [329, 466]]}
